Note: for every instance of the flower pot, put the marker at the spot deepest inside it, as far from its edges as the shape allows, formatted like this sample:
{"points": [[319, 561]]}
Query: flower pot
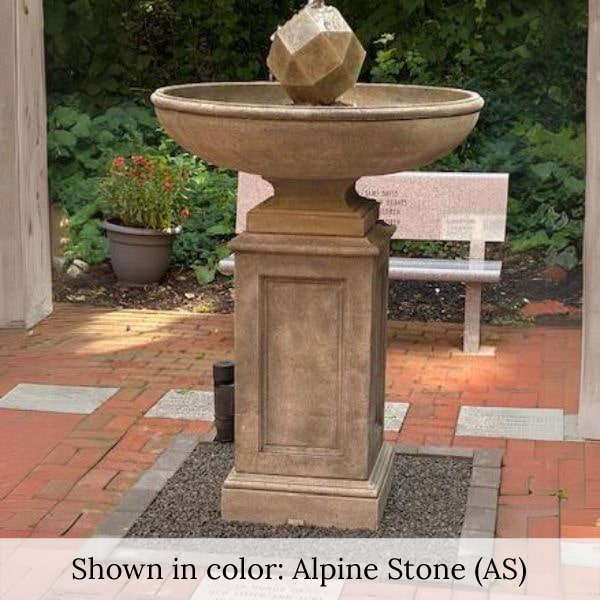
{"points": [[139, 256]]}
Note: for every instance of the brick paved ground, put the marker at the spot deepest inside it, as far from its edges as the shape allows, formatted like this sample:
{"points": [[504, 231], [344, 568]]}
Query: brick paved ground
{"points": [[63, 474]]}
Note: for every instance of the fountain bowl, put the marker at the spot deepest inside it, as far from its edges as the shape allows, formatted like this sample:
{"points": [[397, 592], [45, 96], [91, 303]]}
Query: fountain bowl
{"points": [[375, 129]]}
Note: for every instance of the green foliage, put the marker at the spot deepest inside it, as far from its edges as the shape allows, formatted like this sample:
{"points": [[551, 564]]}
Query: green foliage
{"points": [[211, 198], [533, 124], [546, 207], [145, 192], [121, 47], [82, 144], [515, 320], [388, 65], [527, 58], [430, 248], [86, 236]]}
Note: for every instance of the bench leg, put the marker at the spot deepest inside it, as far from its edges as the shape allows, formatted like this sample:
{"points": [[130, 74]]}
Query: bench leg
{"points": [[472, 334]]}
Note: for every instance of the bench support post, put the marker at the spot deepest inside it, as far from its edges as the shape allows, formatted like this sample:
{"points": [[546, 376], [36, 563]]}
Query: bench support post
{"points": [[472, 333]]}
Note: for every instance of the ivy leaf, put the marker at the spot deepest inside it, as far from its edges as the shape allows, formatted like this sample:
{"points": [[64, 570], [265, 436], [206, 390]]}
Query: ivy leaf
{"points": [[528, 242], [105, 137], [544, 170], [64, 116], [219, 229], [93, 88], [82, 127], [205, 275], [64, 139], [223, 251], [522, 52], [568, 258], [574, 186]]}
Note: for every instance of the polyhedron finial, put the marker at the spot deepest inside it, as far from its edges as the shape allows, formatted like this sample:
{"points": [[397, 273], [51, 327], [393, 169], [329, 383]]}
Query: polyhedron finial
{"points": [[316, 56]]}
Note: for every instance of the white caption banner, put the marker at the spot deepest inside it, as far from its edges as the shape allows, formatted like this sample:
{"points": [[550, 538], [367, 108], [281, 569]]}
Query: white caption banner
{"points": [[298, 569]]}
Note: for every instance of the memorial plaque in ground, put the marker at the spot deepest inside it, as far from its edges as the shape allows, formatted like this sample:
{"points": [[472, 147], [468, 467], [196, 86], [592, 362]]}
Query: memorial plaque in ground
{"points": [[514, 423]]}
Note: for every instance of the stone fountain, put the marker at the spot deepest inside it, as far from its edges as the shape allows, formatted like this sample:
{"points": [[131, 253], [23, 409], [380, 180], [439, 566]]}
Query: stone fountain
{"points": [[311, 270]]}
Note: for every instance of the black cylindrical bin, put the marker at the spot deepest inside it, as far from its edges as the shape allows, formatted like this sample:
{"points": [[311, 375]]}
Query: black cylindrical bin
{"points": [[224, 412], [223, 373]]}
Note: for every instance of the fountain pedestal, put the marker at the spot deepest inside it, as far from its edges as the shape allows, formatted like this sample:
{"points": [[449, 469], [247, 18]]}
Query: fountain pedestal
{"points": [[311, 313]]}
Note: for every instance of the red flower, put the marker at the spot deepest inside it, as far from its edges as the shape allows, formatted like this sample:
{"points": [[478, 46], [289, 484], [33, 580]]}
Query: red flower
{"points": [[185, 213], [119, 162]]}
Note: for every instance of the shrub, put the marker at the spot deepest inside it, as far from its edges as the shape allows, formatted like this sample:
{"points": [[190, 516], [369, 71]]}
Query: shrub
{"points": [[82, 143], [87, 240], [145, 192], [538, 138], [527, 58], [211, 197]]}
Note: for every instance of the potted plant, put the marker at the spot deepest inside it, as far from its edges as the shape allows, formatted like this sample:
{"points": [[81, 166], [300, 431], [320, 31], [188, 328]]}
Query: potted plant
{"points": [[142, 198]]}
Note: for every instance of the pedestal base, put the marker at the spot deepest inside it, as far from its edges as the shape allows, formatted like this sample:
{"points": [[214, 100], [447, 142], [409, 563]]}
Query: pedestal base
{"points": [[324, 502]]}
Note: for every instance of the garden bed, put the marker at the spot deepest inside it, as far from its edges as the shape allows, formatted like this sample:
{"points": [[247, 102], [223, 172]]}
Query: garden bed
{"points": [[409, 300]]}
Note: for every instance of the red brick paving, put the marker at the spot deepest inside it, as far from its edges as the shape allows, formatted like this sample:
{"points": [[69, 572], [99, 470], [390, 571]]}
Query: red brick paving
{"points": [[42, 431], [63, 474], [549, 307]]}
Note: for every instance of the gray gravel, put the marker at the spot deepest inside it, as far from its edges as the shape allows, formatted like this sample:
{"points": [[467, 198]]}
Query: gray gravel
{"points": [[428, 499]]}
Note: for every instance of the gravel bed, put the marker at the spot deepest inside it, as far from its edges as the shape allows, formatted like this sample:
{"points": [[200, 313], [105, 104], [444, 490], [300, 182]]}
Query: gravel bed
{"points": [[428, 499]]}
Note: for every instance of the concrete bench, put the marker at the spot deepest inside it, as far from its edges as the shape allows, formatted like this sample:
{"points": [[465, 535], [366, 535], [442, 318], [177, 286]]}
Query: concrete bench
{"points": [[462, 207]]}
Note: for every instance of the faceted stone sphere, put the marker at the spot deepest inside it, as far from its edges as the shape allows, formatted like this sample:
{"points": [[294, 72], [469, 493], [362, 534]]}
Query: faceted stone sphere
{"points": [[316, 56]]}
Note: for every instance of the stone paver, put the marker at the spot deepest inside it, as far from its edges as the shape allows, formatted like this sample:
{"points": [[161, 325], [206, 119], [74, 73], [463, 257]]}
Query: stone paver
{"points": [[57, 398], [200, 405], [516, 423], [63, 474], [395, 413], [185, 404]]}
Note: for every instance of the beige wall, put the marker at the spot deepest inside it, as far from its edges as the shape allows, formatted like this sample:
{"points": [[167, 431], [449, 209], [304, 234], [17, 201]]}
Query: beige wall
{"points": [[589, 409], [25, 273]]}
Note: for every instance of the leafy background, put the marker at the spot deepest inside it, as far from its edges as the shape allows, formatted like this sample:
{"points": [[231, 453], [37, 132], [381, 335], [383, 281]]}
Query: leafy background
{"points": [[526, 57]]}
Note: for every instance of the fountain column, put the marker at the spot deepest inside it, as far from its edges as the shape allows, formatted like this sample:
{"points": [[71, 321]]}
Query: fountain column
{"points": [[311, 314]]}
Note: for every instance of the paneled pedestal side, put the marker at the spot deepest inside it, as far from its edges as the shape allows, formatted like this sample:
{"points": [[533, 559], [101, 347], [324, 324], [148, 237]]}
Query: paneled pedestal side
{"points": [[25, 268], [311, 315]]}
